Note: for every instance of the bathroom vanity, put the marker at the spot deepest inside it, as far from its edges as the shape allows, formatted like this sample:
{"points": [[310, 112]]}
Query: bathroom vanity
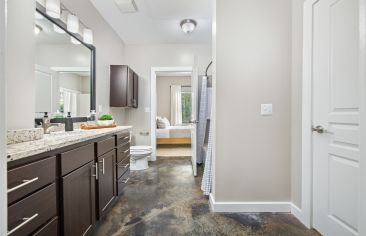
{"points": [[65, 182]]}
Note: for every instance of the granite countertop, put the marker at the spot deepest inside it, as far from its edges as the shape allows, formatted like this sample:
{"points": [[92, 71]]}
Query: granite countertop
{"points": [[57, 140]]}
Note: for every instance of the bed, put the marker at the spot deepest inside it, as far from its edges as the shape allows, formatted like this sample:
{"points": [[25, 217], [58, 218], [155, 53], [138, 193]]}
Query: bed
{"points": [[174, 135]]}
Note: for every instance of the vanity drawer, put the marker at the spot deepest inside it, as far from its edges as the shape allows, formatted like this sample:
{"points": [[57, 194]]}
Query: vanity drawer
{"points": [[123, 166], [50, 229], [122, 182], [123, 152], [27, 215], [29, 178], [76, 158], [122, 139], [105, 145]]}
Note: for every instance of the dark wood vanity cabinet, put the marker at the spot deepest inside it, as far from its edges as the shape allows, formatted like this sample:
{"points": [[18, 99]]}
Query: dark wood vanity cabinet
{"points": [[123, 86], [65, 194], [106, 176], [78, 201], [78, 190]]}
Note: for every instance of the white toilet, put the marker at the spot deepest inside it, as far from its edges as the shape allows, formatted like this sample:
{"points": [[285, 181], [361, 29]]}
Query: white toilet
{"points": [[139, 157]]}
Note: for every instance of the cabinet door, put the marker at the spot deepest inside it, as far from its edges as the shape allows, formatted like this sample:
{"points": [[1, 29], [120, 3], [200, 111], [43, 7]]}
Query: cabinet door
{"points": [[130, 87], [135, 90], [118, 85], [106, 180], [78, 192]]}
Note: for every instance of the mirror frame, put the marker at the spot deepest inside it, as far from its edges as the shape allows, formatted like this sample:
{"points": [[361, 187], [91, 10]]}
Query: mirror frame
{"points": [[42, 10]]}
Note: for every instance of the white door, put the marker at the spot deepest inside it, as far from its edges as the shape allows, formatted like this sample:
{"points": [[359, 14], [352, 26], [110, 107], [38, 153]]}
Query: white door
{"points": [[336, 108], [194, 84]]}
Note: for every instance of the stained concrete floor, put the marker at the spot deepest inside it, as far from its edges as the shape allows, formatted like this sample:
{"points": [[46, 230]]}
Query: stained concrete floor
{"points": [[166, 200]]}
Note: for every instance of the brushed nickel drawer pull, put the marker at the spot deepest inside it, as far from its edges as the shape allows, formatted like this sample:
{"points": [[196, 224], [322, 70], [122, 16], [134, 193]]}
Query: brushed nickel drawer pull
{"points": [[127, 137], [25, 182], [96, 171], [124, 181], [26, 220], [126, 151]]}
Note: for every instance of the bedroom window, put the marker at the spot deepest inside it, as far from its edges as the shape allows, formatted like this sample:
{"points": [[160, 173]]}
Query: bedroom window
{"points": [[186, 107]]}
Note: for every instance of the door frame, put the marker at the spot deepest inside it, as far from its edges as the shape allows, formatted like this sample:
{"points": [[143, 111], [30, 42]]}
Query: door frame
{"points": [[3, 161], [153, 101], [306, 212]]}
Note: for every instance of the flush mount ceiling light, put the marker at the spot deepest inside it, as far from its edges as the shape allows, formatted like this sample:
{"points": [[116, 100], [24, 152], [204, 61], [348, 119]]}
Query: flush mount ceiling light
{"points": [[88, 36], [73, 23], [74, 41], [37, 29], [188, 25], [53, 8], [58, 29]]}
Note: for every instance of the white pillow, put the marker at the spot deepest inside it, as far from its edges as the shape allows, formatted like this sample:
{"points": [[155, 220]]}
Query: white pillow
{"points": [[162, 123]]}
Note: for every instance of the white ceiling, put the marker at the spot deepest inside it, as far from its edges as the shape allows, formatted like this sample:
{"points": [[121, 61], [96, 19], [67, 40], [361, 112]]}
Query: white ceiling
{"points": [[157, 21]]}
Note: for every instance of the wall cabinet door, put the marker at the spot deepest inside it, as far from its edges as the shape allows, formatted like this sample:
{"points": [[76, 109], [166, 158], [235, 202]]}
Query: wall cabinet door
{"points": [[78, 189], [106, 181], [123, 86]]}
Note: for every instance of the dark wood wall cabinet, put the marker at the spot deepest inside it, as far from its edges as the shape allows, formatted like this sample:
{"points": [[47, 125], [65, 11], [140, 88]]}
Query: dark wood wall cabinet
{"points": [[65, 192], [123, 86]]}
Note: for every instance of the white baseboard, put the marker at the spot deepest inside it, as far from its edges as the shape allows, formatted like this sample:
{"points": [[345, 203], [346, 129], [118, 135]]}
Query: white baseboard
{"points": [[249, 206], [297, 212], [243, 207]]}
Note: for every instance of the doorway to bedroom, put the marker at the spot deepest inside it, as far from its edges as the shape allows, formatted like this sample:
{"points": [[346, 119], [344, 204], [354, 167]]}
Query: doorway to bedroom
{"points": [[174, 114]]}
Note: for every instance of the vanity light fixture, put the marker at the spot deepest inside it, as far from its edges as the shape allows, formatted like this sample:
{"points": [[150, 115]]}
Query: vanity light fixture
{"points": [[37, 29], [88, 36], [188, 25], [74, 41], [53, 8], [72, 23], [58, 29]]}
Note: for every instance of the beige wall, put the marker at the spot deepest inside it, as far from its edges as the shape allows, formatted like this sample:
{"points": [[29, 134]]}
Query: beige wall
{"points": [[163, 84], [296, 106], [19, 65], [20, 34], [253, 66], [142, 57]]}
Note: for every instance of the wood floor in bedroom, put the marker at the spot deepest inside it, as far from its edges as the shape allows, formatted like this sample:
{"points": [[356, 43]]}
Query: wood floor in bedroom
{"points": [[167, 200], [173, 151]]}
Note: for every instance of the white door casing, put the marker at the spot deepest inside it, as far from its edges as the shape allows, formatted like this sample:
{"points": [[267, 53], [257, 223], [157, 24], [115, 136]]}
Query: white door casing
{"points": [[194, 85], [336, 107]]}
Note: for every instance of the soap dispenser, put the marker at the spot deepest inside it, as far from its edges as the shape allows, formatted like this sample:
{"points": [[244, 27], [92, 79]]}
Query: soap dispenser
{"points": [[69, 125]]}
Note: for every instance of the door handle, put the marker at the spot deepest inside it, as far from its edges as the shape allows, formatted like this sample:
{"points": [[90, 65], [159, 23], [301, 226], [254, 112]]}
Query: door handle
{"points": [[96, 171], [194, 121], [319, 129], [103, 170]]}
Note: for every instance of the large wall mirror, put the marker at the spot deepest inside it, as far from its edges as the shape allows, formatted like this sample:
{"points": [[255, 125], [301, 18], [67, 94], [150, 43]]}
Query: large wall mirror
{"points": [[64, 70]]}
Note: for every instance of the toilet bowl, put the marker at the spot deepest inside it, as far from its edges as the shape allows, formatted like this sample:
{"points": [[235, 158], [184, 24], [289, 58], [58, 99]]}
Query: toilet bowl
{"points": [[139, 157]]}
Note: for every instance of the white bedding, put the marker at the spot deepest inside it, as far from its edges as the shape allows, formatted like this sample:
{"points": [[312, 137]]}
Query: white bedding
{"points": [[174, 132]]}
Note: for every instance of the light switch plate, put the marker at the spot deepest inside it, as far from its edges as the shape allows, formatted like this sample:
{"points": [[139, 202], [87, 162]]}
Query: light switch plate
{"points": [[100, 108], [147, 109], [266, 109]]}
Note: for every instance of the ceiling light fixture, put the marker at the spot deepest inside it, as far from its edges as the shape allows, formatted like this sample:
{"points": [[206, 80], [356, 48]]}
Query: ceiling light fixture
{"points": [[88, 36], [188, 25], [58, 29], [53, 8], [37, 29], [74, 41], [73, 23]]}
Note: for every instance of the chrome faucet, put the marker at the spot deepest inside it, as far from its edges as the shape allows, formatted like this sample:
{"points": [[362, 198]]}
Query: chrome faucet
{"points": [[46, 124]]}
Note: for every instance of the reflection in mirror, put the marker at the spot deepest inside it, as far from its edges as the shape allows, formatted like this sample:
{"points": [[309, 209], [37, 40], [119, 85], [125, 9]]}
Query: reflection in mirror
{"points": [[62, 72]]}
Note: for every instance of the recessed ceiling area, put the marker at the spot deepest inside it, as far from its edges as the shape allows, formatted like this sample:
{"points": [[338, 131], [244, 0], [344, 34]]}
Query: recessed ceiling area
{"points": [[157, 21]]}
